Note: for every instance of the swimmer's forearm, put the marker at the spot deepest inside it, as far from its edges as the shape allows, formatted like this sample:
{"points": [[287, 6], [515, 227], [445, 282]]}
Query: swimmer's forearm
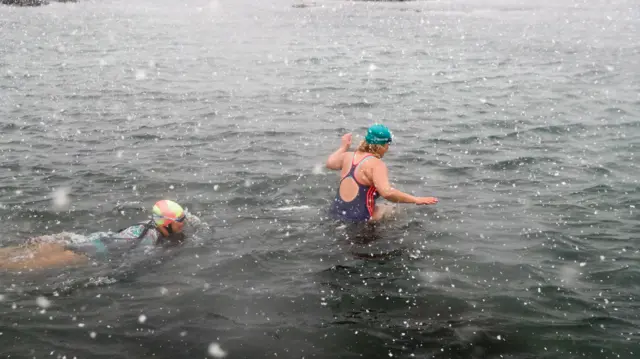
{"points": [[342, 149], [394, 195], [334, 161]]}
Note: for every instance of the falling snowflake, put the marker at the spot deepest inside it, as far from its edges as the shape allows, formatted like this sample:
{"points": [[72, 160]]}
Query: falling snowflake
{"points": [[60, 199], [215, 351], [141, 75], [43, 302]]}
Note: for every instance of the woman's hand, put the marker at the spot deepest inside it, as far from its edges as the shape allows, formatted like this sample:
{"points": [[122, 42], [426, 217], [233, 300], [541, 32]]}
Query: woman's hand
{"points": [[346, 140], [426, 200]]}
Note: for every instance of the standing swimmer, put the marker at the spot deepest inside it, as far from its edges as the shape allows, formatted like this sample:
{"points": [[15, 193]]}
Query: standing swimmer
{"points": [[165, 228], [364, 177]]}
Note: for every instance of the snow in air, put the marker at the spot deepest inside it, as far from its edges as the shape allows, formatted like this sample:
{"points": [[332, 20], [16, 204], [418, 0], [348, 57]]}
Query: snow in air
{"points": [[216, 351], [60, 199], [43, 302]]}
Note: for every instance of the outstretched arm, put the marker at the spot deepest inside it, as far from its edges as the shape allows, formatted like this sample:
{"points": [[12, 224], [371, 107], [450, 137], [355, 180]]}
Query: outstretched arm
{"points": [[41, 256], [334, 161], [381, 181]]}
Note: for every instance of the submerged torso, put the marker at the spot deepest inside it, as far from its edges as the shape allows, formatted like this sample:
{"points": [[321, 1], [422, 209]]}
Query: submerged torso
{"points": [[142, 234], [355, 200]]}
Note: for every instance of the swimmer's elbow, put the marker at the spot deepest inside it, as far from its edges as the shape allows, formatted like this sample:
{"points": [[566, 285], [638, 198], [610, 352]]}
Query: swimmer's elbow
{"points": [[332, 165], [386, 193]]}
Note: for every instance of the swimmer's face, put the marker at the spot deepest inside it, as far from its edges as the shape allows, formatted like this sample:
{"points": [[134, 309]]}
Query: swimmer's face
{"points": [[384, 150], [172, 234], [177, 227]]}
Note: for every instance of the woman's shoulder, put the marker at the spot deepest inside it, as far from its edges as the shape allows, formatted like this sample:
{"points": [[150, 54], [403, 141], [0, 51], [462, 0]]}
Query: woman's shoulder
{"points": [[367, 158], [347, 156], [139, 231]]}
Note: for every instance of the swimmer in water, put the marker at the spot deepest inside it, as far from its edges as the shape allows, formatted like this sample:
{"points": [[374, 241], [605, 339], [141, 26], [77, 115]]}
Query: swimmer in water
{"points": [[364, 178], [165, 228]]}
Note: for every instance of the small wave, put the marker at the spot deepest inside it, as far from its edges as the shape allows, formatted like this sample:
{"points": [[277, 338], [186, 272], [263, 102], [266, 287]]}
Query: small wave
{"points": [[8, 127], [608, 321], [559, 129], [459, 171], [130, 205], [292, 208], [61, 237], [516, 163], [70, 285], [310, 60], [406, 93], [10, 166], [599, 170], [623, 276], [439, 109], [339, 268], [99, 281], [512, 134], [326, 88], [552, 290], [88, 97], [43, 215], [616, 110], [597, 189], [303, 5], [360, 104], [457, 141], [146, 136]]}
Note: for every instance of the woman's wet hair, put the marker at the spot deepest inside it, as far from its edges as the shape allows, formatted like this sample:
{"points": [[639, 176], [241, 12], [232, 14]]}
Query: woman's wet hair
{"points": [[375, 150]]}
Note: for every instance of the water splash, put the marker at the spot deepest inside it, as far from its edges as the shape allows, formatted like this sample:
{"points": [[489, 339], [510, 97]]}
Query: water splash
{"points": [[141, 74], [318, 169], [61, 199], [216, 351], [43, 302]]}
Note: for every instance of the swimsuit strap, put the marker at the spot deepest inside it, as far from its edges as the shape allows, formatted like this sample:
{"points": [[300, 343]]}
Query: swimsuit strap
{"points": [[353, 159], [355, 166], [363, 160]]}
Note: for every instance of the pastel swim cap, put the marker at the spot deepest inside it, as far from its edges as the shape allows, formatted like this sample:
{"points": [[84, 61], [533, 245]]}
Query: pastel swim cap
{"points": [[378, 134], [165, 212]]}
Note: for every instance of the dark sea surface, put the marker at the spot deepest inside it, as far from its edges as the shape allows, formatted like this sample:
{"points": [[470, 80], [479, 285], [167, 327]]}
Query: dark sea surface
{"points": [[520, 116]]}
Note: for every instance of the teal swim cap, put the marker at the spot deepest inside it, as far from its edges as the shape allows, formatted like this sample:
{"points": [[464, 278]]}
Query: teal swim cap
{"points": [[378, 135]]}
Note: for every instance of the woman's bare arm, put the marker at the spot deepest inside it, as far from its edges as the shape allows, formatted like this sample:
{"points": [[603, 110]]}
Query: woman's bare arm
{"points": [[335, 160], [381, 182]]}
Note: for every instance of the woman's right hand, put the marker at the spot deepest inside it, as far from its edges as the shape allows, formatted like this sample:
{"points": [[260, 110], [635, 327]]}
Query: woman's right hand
{"points": [[346, 140], [426, 200]]}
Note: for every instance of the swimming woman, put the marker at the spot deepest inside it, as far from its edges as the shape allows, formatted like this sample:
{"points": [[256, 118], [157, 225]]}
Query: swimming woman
{"points": [[164, 228], [364, 178]]}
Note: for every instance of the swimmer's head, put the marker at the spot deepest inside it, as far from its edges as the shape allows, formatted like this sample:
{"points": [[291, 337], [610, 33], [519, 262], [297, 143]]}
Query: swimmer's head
{"points": [[169, 217], [377, 140]]}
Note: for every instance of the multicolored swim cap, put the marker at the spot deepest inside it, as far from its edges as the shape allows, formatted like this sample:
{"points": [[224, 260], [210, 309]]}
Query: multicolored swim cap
{"points": [[165, 212], [378, 135]]}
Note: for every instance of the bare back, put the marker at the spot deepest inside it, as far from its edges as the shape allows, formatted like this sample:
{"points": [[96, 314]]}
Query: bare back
{"points": [[364, 174]]}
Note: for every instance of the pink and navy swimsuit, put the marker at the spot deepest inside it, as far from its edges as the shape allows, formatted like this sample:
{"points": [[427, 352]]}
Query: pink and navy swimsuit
{"points": [[360, 209]]}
